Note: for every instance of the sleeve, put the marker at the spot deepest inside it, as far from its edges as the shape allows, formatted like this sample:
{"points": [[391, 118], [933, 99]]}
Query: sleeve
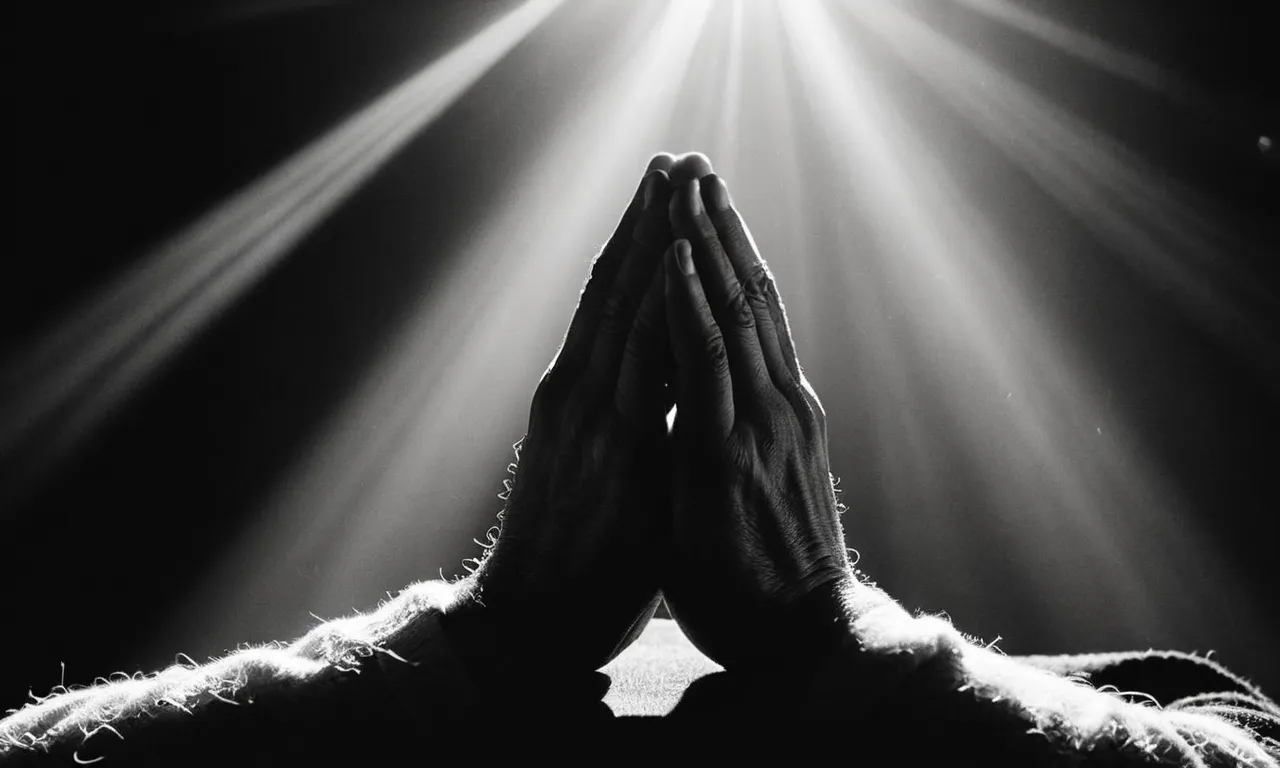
{"points": [[394, 665], [915, 690]]}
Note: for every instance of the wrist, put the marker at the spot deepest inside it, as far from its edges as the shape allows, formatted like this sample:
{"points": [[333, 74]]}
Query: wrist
{"points": [[819, 622], [496, 634], [476, 632], [512, 657]]}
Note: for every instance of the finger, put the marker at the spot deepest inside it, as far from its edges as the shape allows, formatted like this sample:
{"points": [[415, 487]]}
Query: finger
{"points": [[689, 166], [651, 235], [704, 384], [663, 161], [728, 303], [641, 396], [575, 350], [757, 282]]}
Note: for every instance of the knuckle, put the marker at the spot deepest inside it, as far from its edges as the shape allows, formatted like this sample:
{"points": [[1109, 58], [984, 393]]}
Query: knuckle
{"points": [[740, 310], [760, 290], [758, 282], [717, 353], [770, 290], [743, 453]]}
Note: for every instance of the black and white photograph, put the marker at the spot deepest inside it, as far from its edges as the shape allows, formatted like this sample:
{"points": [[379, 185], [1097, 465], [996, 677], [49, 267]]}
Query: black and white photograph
{"points": [[886, 382]]}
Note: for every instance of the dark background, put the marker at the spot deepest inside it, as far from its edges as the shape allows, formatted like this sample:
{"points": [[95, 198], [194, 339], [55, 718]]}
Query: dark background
{"points": [[127, 124]]}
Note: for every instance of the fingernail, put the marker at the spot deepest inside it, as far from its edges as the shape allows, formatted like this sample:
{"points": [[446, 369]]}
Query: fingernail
{"points": [[684, 256], [695, 198], [717, 193]]}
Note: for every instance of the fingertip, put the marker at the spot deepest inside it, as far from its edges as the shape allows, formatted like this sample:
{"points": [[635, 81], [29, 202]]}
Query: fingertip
{"points": [[663, 161], [715, 193], [691, 165]]}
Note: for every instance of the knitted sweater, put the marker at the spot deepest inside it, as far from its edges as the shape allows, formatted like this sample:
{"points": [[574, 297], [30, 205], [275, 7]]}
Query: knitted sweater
{"points": [[391, 684]]}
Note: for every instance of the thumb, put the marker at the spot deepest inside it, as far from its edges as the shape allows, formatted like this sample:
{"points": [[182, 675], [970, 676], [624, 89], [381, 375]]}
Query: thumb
{"points": [[704, 389]]}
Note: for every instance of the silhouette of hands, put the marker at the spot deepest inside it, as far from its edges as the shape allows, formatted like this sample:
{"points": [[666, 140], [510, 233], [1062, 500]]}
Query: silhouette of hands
{"points": [[758, 553], [732, 514], [588, 510]]}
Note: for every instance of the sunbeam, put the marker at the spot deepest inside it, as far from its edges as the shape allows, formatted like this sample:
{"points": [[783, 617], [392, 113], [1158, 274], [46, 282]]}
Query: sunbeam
{"points": [[73, 377], [1162, 230], [389, 456], [1084, 47], [1052, 470]]}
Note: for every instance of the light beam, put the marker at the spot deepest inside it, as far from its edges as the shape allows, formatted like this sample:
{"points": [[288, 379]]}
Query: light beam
{"points": [[73, 377], [407, 449]]}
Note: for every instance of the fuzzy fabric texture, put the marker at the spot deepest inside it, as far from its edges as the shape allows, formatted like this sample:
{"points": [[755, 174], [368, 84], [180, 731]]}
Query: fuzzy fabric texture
{"points": [[123, 706], [396, 663], [1054, 695]]}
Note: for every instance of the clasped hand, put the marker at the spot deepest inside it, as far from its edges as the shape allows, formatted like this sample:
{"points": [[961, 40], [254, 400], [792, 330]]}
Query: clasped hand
{"points": [[730, 513]]}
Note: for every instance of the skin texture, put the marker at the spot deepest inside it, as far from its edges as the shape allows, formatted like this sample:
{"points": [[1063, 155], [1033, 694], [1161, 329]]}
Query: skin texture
{"points": [[586, 522], [758, 555], [732, 513]]}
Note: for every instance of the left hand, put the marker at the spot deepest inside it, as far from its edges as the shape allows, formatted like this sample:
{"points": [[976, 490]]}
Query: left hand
{"points": [[588, 516], [758, 564]]}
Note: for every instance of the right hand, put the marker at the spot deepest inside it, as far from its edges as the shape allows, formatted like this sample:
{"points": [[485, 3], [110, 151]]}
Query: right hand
{"points": [[588, 512], [759, 560]]}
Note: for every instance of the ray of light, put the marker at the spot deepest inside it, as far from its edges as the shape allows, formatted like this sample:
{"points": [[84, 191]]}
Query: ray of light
{"points": [[698, 116], [1087, 48], [912, 294], [1158, 225], [782, 224], [1160, 229], [1054, 473], [69, 380], [408, 448], [725, 145]]}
